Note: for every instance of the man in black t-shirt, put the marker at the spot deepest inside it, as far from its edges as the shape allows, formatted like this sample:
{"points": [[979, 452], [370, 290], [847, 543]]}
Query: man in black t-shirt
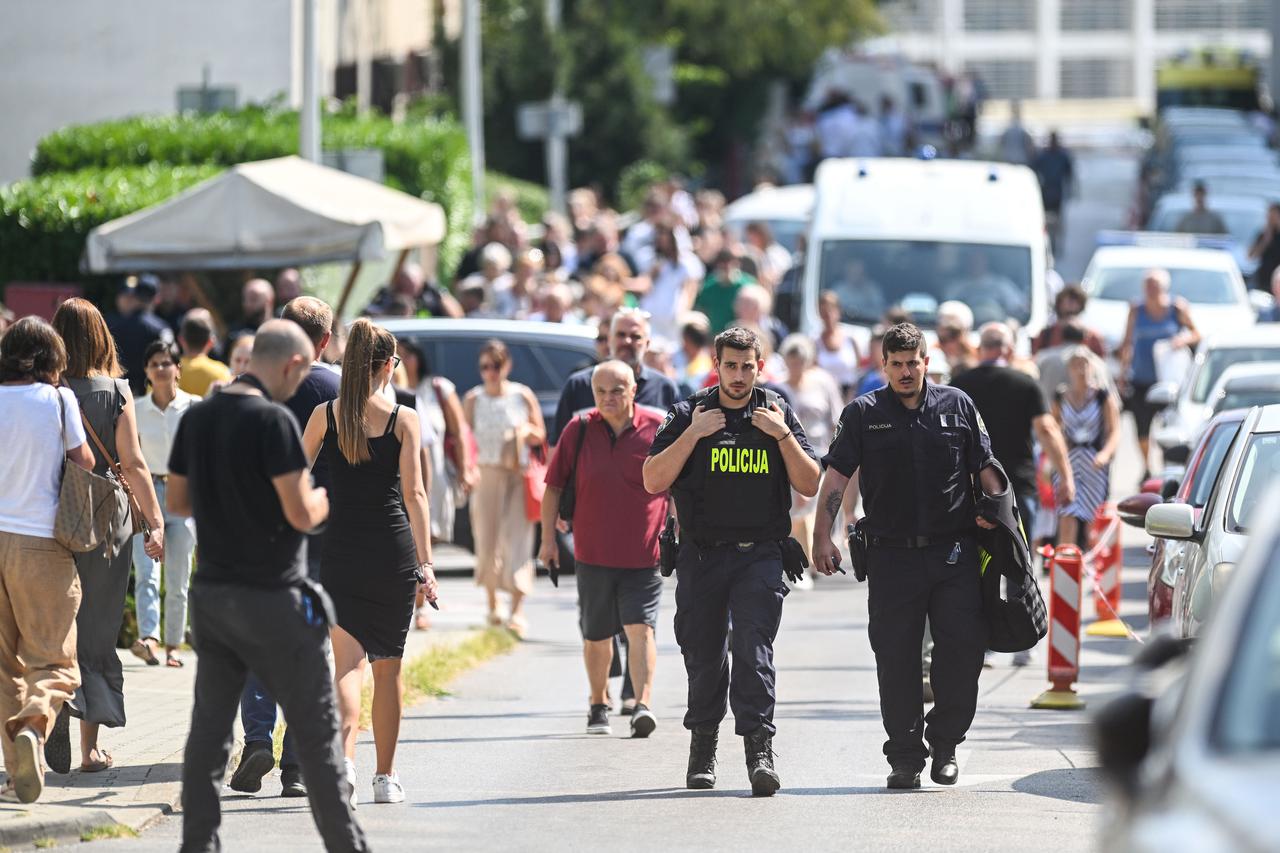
{"points": [[237, 466], [257, 705], [1014, 409]]}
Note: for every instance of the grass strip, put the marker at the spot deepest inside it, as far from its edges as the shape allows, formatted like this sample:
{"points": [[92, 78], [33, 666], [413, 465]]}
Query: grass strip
{"points": [[115, 830], [429, 674]]}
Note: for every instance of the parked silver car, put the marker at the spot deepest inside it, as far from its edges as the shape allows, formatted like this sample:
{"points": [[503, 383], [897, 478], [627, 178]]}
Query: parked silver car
{"points": [[1214, 541], [1194, 748]]}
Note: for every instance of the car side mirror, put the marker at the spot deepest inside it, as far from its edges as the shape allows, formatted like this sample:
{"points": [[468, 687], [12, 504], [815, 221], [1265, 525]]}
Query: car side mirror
{"points": [[1171, 521], [1261, 301], [1162, 394], [1133, 509]]}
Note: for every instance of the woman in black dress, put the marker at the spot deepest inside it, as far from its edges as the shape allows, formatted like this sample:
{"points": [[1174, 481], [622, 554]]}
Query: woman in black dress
{"points": [[377, 546]]}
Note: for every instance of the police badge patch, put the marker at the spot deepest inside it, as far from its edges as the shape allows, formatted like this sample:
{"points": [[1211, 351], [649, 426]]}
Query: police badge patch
{"points": [[671, 416]]}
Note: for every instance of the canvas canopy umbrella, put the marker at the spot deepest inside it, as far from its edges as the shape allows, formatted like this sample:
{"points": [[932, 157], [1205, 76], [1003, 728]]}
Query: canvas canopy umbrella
{"points": [[271, 213]]}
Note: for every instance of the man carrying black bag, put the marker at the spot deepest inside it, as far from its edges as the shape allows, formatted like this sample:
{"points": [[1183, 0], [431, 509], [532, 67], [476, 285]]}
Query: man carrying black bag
{"points": [[923, 453], [595, 479]]}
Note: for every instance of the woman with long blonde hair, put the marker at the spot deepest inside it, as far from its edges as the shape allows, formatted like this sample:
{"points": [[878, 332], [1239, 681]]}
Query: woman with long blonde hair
{"points": [[377, 546], [93, 374]]}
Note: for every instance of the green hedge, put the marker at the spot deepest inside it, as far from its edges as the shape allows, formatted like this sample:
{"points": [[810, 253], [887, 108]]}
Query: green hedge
{"points": [[44, 221], [428, 159]]}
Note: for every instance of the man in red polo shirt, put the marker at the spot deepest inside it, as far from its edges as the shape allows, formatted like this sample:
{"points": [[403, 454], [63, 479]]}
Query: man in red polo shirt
{"points": [[615, 545]]}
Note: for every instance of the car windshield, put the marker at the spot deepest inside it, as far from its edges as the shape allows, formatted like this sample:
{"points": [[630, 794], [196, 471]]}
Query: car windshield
{"points": [[1219, 359], [872, 276], [1248, 714], [1202, 479], [1200, 286], [1243, 224], [1245, 399], [1259, 469]]}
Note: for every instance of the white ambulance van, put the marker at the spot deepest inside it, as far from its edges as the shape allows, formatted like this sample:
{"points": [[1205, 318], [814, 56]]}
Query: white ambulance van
{"points": [[912, 234]]}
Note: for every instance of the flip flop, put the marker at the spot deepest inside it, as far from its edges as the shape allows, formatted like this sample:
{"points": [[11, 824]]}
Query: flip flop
{"points": [[145, 651], [106, 763], [172, 659]]}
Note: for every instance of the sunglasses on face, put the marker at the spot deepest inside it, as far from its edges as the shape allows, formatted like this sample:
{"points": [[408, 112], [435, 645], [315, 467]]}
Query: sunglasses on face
{"points": [[486, 366]]}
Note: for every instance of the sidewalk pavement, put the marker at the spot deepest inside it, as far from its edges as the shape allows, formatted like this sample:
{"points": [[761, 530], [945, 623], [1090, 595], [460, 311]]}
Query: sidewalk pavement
{"points": [[145, 782]]}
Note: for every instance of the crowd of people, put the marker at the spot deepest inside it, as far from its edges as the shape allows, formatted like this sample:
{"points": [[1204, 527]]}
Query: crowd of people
{"points": [[154, 396]]}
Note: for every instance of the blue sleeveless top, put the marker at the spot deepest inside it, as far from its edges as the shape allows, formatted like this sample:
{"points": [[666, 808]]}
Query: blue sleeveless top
{"points": [[1146, 331]]}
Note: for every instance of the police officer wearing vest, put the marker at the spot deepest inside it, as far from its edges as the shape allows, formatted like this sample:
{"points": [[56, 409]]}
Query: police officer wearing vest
{"points": [[730, 455], [923, 451]]}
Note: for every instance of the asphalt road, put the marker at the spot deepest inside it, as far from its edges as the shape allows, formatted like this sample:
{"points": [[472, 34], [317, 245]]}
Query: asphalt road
{"points": [[505, 764]]}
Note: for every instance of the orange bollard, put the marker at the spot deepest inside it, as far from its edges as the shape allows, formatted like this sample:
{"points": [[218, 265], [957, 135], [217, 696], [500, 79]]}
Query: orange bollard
{"points": [[1065, 565]]}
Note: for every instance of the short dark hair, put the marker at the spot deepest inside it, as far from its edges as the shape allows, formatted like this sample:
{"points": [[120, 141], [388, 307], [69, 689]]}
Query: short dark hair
{"points": [[1073, 291], [196, 332], [157, 346], [739, 338], [313, 315], [904, 337], [31, 349]]}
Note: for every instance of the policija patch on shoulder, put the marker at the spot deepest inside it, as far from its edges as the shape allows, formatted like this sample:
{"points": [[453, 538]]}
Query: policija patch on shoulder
{"points": [[671, 416]]}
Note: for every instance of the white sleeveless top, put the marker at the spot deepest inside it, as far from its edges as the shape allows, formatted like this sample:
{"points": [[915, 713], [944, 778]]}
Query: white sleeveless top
{"points": [[496, 419]]}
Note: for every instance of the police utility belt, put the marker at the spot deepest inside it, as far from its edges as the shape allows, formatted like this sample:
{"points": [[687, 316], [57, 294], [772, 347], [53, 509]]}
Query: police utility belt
{"points": [[794, 560]]}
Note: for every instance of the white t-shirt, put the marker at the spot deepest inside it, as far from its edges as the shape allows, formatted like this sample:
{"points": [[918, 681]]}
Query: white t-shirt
{"points": [[31, 465], [663, 299]]}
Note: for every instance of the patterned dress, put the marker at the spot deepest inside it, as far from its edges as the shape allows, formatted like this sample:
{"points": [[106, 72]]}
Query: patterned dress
{"points": [[1084, 428]]}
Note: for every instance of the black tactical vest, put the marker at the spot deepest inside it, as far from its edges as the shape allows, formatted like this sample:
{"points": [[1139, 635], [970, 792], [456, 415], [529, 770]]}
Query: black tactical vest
{"points": [[734, 487]]}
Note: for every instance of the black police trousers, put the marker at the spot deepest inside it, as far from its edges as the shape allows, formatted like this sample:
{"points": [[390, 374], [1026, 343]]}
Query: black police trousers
{"points": [[716, 585], [905, 586]]}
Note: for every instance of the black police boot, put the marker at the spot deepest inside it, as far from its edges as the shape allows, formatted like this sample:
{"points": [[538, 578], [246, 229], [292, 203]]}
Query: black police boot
{"points": [[702, 759], [904, 778], [944, 769], [764, 779]]}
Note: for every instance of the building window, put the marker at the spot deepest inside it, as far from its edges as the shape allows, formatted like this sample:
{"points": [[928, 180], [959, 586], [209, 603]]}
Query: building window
{"points": [[1080, 15], [1005, 78], [912, 16], [984, 15], [1217, 15], [1097, 78]]}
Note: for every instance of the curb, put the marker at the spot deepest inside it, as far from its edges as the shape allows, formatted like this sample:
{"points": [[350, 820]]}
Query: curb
{"points": [[67, 822]]}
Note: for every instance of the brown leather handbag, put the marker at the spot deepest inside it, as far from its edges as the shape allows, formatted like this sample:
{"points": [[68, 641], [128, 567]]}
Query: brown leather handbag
{"points": [[88, 503]]}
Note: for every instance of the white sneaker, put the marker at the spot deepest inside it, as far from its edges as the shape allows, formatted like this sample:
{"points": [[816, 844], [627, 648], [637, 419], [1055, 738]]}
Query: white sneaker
{"points": [[351, 782], [27, 774], [387, 788]]}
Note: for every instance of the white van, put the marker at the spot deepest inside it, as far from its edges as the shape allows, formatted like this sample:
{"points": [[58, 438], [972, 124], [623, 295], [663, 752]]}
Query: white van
{"points": [[892, 232]]}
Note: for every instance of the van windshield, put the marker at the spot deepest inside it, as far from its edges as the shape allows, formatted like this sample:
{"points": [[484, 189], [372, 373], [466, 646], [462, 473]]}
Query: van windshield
{"points": [[872, 276]]}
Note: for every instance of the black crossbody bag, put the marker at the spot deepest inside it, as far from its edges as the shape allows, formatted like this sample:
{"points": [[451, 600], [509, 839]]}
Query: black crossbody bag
{"points": [[569, 495]]}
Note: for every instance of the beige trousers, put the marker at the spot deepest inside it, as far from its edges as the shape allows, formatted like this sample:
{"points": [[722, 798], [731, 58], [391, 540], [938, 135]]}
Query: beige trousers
{"points": [[39, 597], [503, 536]]}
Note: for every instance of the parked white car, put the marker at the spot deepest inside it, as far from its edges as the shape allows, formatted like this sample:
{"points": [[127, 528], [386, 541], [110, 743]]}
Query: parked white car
{"points": [[1208, 279], [1189, 403], [1215, 540]]}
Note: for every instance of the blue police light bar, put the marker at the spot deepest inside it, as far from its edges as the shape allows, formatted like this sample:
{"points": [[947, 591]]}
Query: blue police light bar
{"points": [[1164, 240]]}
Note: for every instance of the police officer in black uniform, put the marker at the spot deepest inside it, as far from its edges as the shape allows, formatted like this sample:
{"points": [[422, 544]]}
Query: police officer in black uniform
{"points": [[923, 451], [730, 456], [136, 327]]}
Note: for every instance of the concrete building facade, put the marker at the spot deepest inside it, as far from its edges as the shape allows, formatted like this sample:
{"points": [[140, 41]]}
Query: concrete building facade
{"points": [[80, 61], [1071, 49]]}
